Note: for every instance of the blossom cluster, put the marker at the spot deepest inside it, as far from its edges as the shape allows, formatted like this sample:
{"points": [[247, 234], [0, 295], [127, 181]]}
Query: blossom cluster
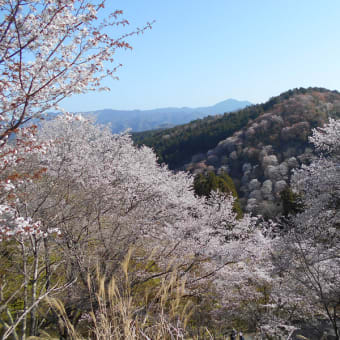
{"points": [[13, 154], [14, 226]]}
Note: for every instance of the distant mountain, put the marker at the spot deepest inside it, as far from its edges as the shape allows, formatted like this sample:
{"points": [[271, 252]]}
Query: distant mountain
{"points": [[142, 120], [258, 146]]}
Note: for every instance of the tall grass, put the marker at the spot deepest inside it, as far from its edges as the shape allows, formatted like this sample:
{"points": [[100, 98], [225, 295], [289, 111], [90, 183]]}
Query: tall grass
{"points": [[119, 310]]}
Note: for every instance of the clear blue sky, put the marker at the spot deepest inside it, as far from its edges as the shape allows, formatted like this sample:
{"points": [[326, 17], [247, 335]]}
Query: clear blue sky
{"points": [[200, 52]]}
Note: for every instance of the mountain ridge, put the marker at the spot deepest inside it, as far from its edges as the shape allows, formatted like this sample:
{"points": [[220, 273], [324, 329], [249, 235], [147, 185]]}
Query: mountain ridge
{"points": [[141, 120]]}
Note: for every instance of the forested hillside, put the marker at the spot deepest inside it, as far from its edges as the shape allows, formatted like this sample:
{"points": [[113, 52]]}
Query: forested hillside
{"points": [[177, 145], [258, 146]]}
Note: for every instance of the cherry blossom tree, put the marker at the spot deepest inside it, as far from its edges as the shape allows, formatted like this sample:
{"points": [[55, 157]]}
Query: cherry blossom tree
{"points": [[141, 198], [50, 50], [21, 236], [310, 253]]}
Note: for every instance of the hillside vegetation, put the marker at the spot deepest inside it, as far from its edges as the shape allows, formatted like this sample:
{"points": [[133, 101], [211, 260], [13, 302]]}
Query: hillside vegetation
{"points": [[257, 146], [176, 145]]}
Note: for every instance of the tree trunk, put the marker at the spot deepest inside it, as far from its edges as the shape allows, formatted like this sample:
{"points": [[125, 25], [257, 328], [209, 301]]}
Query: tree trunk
{"points": [[33, 314], [24, 321]]}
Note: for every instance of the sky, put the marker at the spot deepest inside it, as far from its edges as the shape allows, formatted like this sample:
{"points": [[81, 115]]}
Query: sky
{"points": [[201, 52]]}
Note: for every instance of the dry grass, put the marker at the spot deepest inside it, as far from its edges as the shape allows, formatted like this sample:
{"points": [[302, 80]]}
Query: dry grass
{"points": [[160, 312]]}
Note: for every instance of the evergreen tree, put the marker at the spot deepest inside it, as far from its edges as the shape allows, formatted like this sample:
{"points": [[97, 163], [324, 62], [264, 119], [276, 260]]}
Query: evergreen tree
{"points": [[204, 184]]}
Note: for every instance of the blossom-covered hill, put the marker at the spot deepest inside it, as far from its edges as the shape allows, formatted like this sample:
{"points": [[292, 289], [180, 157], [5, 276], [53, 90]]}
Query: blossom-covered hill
{"points": [[260, 147]]}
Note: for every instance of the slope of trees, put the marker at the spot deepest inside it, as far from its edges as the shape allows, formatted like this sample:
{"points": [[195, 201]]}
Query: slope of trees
{"points": [[177, 145], [261, 156]]}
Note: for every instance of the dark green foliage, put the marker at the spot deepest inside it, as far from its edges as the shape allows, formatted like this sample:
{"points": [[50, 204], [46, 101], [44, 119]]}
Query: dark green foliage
{"points": [[291, 202], [205, 183]]}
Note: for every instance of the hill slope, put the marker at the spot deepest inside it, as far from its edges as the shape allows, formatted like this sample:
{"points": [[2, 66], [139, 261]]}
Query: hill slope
{"points": [[258, 146], [175, 146]]}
